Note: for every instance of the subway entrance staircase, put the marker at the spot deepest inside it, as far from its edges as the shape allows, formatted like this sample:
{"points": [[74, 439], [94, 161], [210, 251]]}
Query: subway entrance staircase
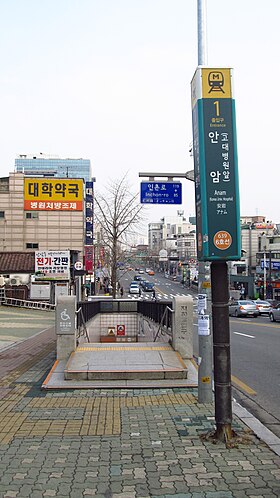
{"points": [[122, 365], [117, 362], [125, 361]]}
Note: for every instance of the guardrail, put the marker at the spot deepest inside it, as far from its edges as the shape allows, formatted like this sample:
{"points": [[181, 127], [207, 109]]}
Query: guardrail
{"points": [[154, 310], [21, 303]]}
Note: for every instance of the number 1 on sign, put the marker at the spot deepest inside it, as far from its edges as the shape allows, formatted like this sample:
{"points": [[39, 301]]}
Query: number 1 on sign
{"points": [[217, 106]]}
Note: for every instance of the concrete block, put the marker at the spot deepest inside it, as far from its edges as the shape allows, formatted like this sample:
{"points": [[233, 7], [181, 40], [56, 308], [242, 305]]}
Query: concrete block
{"points": [[65, 345], [182, 326]]}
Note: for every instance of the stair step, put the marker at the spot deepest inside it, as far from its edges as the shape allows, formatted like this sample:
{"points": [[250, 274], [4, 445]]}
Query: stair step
{"points": [[125, 361]]}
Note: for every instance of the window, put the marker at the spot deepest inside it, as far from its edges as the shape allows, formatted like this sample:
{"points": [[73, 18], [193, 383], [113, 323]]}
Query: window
{"points": [[2, 214], [32, 245], [31, 215]]}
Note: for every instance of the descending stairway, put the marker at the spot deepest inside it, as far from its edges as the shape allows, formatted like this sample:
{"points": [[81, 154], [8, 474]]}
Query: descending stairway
{"points": [[125, 361]]}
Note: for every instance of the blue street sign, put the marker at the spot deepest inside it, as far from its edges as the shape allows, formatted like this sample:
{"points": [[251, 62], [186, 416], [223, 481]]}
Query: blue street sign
{"points": [[161, 193], [275, 265]]}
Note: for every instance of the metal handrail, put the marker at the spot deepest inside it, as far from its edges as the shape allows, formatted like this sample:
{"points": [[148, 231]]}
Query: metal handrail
{"points": [[161, 322], [82, 328], [13, 301]]}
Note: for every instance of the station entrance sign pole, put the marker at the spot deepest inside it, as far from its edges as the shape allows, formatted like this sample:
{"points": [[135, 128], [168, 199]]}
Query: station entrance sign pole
{"points": [[217, 214]]}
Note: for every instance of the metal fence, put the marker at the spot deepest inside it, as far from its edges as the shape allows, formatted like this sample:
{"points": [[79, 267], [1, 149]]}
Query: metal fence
{"points": [[155, 310]]}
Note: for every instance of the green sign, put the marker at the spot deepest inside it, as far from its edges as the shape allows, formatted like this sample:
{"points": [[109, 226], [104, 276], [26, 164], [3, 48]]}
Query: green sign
{"points": [[215, 166]]}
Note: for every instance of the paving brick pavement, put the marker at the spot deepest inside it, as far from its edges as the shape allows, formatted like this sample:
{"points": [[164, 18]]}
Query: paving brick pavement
{"points": [[122, 443]]}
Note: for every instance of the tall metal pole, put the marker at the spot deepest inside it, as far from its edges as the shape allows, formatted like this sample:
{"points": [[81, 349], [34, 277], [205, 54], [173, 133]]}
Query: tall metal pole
{"points": [[201, 32], [221, 347], [205, 394], [264, 274]]}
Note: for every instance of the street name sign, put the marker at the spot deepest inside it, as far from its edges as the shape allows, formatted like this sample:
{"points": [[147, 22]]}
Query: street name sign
{"points": [[161, 193], [215, 165]]}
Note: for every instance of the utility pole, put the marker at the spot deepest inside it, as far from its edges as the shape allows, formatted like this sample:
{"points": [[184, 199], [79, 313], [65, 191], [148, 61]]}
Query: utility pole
{"points": [[205, 394]]}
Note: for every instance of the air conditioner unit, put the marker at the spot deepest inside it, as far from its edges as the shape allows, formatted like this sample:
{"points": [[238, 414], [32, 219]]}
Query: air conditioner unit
{"points": [[15, 281]]}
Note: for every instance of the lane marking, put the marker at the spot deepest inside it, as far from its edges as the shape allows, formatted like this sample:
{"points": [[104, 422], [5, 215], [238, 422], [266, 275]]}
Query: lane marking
{"points": [[249, 322], [245, 335], [243, 386]]}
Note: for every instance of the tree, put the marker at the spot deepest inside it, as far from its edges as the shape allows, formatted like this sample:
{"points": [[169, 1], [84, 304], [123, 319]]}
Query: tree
{"points": [[117, 212]]}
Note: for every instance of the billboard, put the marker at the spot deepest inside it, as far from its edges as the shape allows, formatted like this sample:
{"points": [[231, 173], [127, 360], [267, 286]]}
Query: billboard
{"points": [[215, 165], [53, 194], [52, 265]]}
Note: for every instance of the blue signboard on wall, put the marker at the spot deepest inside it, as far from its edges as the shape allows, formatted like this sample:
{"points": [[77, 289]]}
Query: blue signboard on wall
{"points": [[161, 193]]}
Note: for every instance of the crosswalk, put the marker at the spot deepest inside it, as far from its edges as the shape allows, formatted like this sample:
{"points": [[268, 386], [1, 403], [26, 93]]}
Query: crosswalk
{"points": [[160, 296]]}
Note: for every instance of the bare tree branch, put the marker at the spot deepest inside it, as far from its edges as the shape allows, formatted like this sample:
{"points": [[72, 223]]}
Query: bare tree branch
{"points": [[118, 213]]}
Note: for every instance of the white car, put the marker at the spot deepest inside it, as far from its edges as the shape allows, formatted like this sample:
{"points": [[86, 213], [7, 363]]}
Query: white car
{"points": [[134, 288], [264, 307]]}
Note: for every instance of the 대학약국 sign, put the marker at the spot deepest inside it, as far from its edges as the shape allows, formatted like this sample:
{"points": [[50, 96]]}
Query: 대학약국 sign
{"points": [[161, 193], [215, 165]]}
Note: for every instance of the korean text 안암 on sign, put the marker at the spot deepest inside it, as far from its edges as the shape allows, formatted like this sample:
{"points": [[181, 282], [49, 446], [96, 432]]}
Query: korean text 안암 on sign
{"points": [[215, 165], [53, 194]]}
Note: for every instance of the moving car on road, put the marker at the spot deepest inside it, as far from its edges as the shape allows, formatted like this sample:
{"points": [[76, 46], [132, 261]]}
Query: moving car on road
{"points": [[264, 307], [151, 272], [274, 313], [243, 308], [134, 288], [137, 278], [147, 286]]}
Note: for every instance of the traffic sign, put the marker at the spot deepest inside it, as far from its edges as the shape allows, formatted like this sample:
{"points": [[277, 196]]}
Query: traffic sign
{"points": [[161, 193]]}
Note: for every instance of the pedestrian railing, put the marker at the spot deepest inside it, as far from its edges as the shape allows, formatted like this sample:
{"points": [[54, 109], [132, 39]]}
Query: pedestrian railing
{"points": [[22, 303], [159, 312], [81, 324]]}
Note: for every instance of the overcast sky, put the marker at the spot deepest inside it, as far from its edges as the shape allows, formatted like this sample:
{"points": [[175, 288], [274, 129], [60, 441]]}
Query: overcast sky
{"points": [[109, 80]]}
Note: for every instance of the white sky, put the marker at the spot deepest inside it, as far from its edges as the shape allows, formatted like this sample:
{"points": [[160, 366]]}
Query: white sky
{"points": [[109, 80]]}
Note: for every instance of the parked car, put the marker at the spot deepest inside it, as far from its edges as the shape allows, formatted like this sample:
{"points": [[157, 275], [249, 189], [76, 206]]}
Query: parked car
{"points": [[243, 308], [273, 303], [148, 286], [264, 307], [274, 313], [134, 288]]}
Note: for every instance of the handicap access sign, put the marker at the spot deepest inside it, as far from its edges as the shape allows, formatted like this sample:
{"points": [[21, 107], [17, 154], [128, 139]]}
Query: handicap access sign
{"points": [[161, 193]]}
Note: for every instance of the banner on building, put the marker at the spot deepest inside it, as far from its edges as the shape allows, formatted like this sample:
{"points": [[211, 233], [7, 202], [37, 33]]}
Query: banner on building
{"points": [[53, 194], [89, 258], [89, 214], [52, 265]]}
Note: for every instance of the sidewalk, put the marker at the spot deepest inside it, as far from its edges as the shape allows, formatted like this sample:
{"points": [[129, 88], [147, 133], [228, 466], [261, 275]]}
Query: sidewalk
{"points": [[129, 443]]}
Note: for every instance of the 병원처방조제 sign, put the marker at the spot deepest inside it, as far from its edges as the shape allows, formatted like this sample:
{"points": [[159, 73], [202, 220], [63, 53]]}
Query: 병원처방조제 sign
{"points": [[49, 194]]}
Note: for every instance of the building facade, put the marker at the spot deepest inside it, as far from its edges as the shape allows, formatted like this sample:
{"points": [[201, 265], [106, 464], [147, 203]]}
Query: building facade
{"points": [[24, 230], [42, 164]]}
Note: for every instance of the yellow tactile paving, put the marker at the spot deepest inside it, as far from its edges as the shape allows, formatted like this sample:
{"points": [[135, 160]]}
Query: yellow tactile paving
{"points": [[102, 415], [122, 348]]}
